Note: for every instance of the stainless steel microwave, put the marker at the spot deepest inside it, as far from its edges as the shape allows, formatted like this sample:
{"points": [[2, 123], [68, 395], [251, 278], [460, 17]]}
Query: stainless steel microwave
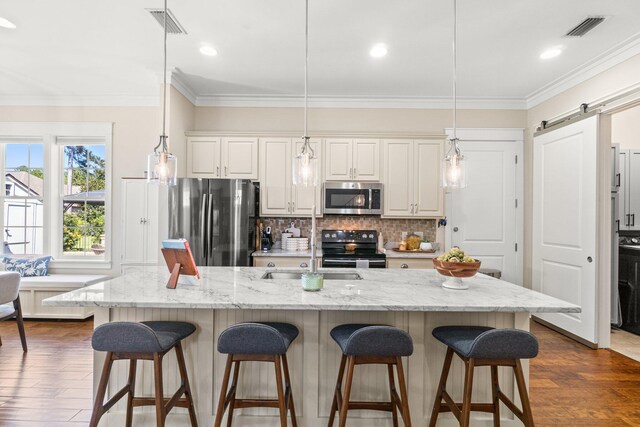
{"points": [[352, 198]]}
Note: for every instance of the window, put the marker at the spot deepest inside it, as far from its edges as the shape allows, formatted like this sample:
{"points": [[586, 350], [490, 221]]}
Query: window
{"points": [[83, 200], [57, 197], [23, 213]]}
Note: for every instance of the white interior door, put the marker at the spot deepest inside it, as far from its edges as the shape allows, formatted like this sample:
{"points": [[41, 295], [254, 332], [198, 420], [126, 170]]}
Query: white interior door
{"points": [[564, 223], [485, 218]]}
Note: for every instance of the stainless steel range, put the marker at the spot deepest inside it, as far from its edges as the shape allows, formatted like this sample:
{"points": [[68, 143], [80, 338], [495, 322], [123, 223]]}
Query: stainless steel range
{"points": [[351, 249]]}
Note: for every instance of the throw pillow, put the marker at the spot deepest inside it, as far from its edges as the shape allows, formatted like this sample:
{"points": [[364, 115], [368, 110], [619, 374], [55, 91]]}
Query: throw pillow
{"points": [[28, 267]]}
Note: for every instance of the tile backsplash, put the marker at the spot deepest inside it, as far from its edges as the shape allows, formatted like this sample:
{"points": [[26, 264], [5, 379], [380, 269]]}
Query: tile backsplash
{"points": [[391, 229]]}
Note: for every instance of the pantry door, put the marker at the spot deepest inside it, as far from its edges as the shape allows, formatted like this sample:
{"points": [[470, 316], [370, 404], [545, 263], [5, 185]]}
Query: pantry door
{"points": [[564, 225], [485, 218]]}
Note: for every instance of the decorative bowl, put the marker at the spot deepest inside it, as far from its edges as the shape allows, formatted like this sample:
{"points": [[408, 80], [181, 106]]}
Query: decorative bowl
{"points": [[457, 271]]}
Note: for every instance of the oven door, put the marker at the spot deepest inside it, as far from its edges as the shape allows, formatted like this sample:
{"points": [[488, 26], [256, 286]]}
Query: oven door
{"points": [[352, 262]]}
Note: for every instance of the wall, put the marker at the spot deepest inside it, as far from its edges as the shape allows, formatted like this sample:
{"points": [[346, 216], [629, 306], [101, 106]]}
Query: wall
{"points": [[135, 132], [605, 84], [625, 128], [181, 115], [351, 120]]}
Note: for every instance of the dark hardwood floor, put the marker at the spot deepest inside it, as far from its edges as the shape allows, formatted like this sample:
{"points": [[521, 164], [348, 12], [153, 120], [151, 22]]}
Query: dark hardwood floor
{"points": [[50, 386]]}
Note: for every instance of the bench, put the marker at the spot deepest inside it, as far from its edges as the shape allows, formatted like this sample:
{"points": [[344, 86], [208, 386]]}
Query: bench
{"points": [[35, 289]]}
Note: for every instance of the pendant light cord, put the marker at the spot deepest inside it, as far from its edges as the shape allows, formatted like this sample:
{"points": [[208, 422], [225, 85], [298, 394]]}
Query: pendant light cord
{"points": [[454, 68], [164, 83], [306, 63]]}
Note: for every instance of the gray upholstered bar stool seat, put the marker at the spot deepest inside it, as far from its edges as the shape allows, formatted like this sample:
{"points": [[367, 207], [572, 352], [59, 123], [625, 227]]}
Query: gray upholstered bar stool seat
{"points": [[363, 344], [135, 341], [10, 306], [256, 342], [484, 346]]}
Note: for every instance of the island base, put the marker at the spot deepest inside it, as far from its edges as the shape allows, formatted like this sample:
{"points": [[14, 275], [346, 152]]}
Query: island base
{"points": [[313, 362]]}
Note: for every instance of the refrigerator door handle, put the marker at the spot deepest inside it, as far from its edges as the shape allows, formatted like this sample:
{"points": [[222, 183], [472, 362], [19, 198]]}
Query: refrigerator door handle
{"points": [[203, 227], [210, 228]]}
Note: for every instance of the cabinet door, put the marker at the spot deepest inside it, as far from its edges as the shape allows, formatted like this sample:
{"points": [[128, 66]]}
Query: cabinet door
{"points": [[203, 157], [240, 158], [615, 167], [412, 263], [429, 197], [280, 262], [623, 191], [275, 176], [398, 177], [366, 160], [634, 190], [133, 217], [302, 198], [338, 160]]}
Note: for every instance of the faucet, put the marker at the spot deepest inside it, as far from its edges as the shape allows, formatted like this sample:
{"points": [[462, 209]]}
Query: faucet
{"points": [[312, 262]]}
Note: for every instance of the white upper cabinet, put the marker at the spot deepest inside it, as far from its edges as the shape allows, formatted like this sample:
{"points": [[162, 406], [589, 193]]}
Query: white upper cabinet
{"points": [[412, 178], [278, 195], [215, 157], [349, 159]]}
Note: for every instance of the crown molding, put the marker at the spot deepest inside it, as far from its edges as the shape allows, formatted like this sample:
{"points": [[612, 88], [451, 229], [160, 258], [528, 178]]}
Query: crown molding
{"points": [[177, 81], [295, 101], [79, 101], [609, 59]]}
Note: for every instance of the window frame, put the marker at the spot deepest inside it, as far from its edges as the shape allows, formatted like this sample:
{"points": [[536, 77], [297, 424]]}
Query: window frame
{"points": [[54, 137]]}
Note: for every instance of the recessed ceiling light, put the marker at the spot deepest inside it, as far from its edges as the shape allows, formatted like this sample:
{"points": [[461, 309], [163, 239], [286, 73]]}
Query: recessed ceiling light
{"points": [[551, 52], [378, 50], [6, 23], [208, 50]]}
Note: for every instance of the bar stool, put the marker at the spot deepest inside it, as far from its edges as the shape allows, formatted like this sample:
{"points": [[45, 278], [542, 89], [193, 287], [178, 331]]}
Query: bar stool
{"points": [[365, 345], [484, 346], [256, 342], [135, 341]]}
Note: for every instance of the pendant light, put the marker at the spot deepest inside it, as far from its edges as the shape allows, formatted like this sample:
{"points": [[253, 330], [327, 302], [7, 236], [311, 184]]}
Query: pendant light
{"points": [[453, 164], [305, 163], [162, 166]]}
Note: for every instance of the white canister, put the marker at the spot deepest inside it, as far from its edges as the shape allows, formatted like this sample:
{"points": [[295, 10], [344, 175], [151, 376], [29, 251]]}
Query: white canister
{"points": [[425, 246]]}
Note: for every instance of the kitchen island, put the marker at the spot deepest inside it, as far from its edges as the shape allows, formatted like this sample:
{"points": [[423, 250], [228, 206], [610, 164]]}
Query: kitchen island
{"points": [[409, 299]]}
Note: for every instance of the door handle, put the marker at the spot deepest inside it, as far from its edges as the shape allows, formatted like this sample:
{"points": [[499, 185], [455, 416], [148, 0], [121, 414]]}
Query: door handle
{"points": [[412, 208], [633, 220], [303, 265], [354, 173], [628, 222], [617, 225], [350, 172], [415, 207], [618, 178], [289, 207], [293, 207], [455, 229], [404, 266], [589, 259], [217, 171], [225, 171], [271, 264]]}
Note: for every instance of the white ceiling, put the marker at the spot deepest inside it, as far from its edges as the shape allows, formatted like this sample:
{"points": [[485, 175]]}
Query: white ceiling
{"points": [[91, 52]]}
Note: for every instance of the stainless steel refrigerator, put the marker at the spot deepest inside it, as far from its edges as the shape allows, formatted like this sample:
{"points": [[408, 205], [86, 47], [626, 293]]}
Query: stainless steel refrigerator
{"points": [[217, 217]]}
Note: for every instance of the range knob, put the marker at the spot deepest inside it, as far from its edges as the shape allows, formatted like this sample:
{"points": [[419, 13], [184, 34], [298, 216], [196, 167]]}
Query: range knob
{"points": [[333, 235], [326, 235], [371, 236], [635, 240]]}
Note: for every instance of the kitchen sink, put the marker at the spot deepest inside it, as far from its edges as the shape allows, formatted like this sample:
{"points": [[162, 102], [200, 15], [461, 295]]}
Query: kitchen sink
{"points": [[293, 275]]}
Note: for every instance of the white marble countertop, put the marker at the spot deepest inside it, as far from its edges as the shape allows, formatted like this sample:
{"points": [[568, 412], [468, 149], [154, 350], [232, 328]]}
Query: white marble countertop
{"points": [[243, 288], [285, 253]]}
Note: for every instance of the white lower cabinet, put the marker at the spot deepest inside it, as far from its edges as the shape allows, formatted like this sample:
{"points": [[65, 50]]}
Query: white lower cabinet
{"points": [[281, 262], [412, 178], [278, 195], [143, 221], [413, 263]]}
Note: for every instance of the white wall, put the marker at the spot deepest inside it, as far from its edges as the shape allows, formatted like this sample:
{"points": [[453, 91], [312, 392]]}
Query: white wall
{"points": [[625, 128]]}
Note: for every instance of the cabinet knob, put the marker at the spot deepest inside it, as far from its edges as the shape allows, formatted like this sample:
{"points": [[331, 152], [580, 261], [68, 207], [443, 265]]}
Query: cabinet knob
{"points": [[271, 264], [404, 266], [217, 170], [304, 265]]}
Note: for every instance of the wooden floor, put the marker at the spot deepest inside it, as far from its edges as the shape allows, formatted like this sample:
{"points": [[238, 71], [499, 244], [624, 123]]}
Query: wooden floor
{"points": [[50, 386]]}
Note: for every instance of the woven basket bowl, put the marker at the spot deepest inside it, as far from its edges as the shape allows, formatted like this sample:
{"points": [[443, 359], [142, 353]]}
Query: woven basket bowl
{"points": [[456, 269]]}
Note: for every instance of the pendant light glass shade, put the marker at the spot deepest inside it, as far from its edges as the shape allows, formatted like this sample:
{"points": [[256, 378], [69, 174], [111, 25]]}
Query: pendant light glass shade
{"points": [[305, 166], [454, 170], [162, 168]]}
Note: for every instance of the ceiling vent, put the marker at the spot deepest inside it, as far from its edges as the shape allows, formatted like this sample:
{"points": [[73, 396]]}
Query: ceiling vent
{"points": [[173, 26], [585, 26]]}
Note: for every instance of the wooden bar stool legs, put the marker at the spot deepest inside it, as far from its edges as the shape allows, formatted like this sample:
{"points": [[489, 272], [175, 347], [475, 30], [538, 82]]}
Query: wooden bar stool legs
{"points": [[163, 405], [445, 403], [341, 399], [228, 398]]}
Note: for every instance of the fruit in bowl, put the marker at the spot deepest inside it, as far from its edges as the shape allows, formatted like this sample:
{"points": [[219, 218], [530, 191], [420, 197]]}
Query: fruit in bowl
{"points": [[456, 265]]}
